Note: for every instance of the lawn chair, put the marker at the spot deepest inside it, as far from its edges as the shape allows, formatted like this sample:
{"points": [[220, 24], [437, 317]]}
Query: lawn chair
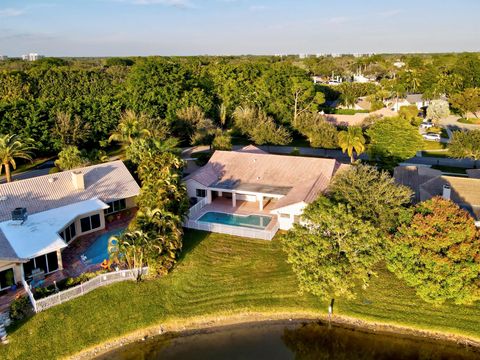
{"points": [[38, 278]]}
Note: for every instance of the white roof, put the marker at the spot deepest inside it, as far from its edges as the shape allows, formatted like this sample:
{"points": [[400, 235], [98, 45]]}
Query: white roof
{"points": [[39, 233]]}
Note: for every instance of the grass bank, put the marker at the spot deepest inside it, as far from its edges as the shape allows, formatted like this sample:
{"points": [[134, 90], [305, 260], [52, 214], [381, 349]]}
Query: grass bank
{"points": [[225, 275]]}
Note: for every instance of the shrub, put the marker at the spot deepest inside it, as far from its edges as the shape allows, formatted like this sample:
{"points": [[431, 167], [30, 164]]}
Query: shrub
{"points": [[54, 170], [20, 308], [202, 158]]}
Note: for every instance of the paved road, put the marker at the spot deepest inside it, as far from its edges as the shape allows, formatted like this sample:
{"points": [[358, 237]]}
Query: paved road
{"points": [[452, 123], [40, 170]]}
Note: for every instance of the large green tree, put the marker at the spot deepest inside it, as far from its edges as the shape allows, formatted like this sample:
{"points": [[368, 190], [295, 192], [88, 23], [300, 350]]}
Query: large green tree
{"points": [[332, 251], [438, 253], [465, 144], [467, 101], [319, 132], [372, 195], [393, 140]]}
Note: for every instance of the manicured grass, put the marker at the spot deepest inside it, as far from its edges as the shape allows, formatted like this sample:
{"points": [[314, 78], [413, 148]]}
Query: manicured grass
{"points": [[474, 121], [433, 145], [218, 274]]}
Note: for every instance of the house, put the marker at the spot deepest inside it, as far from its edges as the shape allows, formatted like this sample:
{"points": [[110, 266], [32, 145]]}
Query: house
{"points": [[427, 183], [251, 182], [418, 101], [41, 216], [409, 100]]}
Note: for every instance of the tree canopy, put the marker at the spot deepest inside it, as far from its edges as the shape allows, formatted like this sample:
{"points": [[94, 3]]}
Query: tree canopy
{"points": [[438, 253], [465, 144], [332, 251], [393, 140]]}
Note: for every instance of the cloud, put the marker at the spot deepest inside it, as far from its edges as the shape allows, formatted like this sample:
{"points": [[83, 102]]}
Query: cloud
{"points": [[11, 12]]}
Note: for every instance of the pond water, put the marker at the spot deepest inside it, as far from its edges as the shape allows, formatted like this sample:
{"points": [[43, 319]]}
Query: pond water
{"points": [[280, 340]]}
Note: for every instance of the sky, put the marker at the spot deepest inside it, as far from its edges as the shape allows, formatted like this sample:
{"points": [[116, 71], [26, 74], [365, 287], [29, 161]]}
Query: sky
{"points": [[233, 27]]}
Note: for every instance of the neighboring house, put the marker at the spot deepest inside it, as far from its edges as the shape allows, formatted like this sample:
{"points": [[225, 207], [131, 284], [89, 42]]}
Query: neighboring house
{"points": [[253, 182], [427, 183], [417, 100], [41, 216], [411, 99]]}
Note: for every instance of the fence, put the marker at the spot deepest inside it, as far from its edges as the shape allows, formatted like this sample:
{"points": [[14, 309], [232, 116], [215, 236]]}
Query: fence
{"points": [[84, 288], [233, 230], [195, 209]]}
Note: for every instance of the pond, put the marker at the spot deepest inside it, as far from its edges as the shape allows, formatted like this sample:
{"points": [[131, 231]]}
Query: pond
{"points": [[292, 340]]}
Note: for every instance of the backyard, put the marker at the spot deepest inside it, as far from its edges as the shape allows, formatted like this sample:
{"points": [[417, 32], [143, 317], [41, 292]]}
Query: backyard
{"points": [[218, 275]]}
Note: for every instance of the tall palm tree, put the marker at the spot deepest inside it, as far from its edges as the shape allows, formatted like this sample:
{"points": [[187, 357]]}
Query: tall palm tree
{"points": [[352, 140], [130, 127], [222, 114], [13, 147]]}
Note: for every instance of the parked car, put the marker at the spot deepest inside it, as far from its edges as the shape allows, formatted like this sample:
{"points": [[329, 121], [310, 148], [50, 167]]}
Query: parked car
{"points": [[431, 136], [426, 125]]}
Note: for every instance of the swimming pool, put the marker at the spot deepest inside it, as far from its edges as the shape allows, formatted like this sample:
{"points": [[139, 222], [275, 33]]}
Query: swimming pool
{"points": [[98, 251], [250, 221]]}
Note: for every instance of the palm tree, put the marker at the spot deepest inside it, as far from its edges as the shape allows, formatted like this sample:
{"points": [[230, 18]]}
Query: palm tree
{"points": [[351, 140], [130, 127], [222, 114], [13, 147]]}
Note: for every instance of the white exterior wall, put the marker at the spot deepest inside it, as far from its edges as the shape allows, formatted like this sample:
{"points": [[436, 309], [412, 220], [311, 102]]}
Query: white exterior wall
{"points": [[292, 211], [192, 187], [17, 270], [249, 198]]}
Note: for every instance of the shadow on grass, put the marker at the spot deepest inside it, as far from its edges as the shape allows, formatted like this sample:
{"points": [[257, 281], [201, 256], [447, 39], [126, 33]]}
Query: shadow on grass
{"points": [[191, 239]]}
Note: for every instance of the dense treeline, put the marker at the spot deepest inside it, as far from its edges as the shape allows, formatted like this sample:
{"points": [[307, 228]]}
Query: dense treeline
{"points": [[98, 91]]}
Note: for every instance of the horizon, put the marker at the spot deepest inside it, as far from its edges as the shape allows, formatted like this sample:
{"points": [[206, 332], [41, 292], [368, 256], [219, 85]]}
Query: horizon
{"points": [[109, 28]]}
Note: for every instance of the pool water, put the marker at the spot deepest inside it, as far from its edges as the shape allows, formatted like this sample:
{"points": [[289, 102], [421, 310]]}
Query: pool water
{"points": [[250, 221], [98, 251]]}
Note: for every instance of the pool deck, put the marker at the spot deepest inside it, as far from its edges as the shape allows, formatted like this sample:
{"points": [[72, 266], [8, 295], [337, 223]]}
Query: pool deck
{"points": [[243, 208], [72, 263]]}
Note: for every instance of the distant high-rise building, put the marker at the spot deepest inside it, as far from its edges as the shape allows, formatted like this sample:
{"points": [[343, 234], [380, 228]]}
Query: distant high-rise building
{"points": [[3, 57], [32, 57]]}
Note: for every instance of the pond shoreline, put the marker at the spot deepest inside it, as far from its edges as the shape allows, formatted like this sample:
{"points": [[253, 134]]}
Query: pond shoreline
{"points": [[192, 326]]}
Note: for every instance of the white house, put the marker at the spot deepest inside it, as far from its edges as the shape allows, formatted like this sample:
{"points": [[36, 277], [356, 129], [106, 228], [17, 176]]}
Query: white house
{"points": [[41, 216], [409, 100], [251, 182]]}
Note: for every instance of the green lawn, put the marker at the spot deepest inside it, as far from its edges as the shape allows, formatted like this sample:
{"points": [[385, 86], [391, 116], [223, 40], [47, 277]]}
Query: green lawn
{"points": [[218, 274], [474, 121]]}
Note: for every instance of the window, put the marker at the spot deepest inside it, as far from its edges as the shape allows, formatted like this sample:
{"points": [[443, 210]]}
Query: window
{"points": [[95, 219], [7, 278], [90, 222], [52, 261], [85, 224], [285, 216], [116, 206], [69, 232], [201, 193], [48, 263]]}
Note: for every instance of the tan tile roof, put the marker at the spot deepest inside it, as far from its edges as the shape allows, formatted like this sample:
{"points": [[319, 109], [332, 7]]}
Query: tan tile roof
{"points": [[413, 177], [473, 173], [252, 149], [306, 176], [107, 182], [464, 191]]}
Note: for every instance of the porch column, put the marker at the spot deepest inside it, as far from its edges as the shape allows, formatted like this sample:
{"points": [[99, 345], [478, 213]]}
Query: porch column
{"points": [[209, 196], [234, 199], [260, 202], [60, 261]]}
